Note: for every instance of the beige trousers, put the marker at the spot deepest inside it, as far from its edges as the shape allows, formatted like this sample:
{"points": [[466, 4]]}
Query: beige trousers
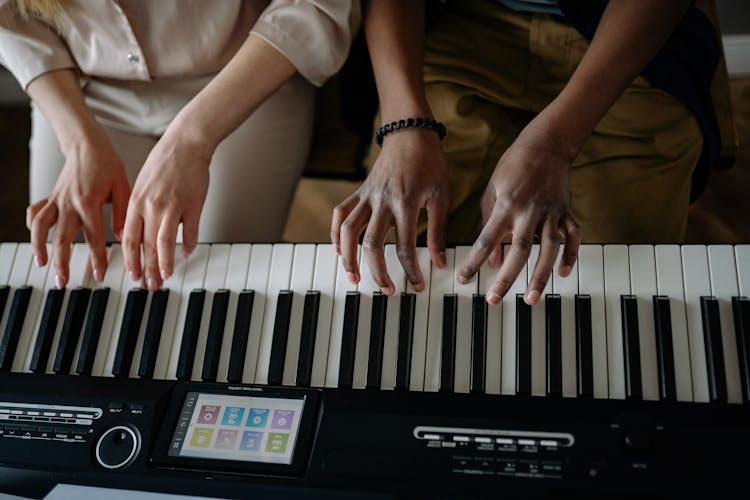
{"points": [[253, 173]]}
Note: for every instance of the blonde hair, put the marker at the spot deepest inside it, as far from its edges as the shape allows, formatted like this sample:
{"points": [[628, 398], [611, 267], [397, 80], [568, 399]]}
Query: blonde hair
{"points": [[47, 10]]}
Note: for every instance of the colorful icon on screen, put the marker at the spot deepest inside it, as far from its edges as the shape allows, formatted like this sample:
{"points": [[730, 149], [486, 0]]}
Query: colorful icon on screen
{"points": [[277, 442], [226, 438], [282, 419], [209, 414], [201, 437], [251, 441], [233, 415], [257, 417]]}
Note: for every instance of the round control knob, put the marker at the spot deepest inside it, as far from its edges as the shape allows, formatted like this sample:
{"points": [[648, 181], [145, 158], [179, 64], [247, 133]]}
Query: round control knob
{"points": [[118, 447]]}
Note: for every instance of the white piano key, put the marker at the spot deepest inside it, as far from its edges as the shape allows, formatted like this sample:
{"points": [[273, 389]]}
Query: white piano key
{"points": [[18, 274], [324, 281], [643, 286], [194, 276], [742, 255], [616, 284], [216, 273], [697, 283], [257, 280], [591, 282], [538, 332], [367, 287], [343, 285], [114, 279], [508, 363], [669, 282], [301, 282], [724, 286], [421, 313], [36, 280], [239, 260], [174, 285], [493, 361], [390, 342], [465, 293], [80, 272], [278, 279], [7, 254], [441, 283], [567, 288]]}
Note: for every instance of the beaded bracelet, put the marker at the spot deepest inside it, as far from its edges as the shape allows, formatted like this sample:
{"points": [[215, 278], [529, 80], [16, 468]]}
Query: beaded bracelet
{"points": [[435, 125]]}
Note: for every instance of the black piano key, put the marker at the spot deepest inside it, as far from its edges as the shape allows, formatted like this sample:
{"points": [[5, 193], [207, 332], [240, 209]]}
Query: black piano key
{"points": [[16, 317], [631, 348], [584, 353], [216, 325], [75, 315], [448, 353], [717, 381], [307, 338], [553, 317], [478, 343], [348, 340], [240, 336], [523, 347], [741, 308], [47, 327], [135, 305], [377, 337], [92, 330], [664, 350], [152, 335], [280, 337], [190, 334], [405, 339]]}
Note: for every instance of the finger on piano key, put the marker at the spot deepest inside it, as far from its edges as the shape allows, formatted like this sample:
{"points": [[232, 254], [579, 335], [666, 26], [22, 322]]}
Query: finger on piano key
{"points": [[188, 340], [391, 332], [174, 285], [16, 280], [591, 283], [132, 317], [584, 354], [538, 319], [421, 313], [324, 281], [567, 288], [377, 337], [245, 303], [724, 286], [257, 280], [631, 347], [12, 334], [195, 272], [717, 387], [347, 349], [115, 281], [278, 280], [616, 284], [343, 303], [664, 348], [697, 284], [441, 284], [149, 348], [479, 309], [741, 309], [215, 335], [448, 348], [72, 328], [307, 339], [553, 334], [216, 272], [36, 282], [80, 276], [277, 355], [239, 261], [303, 269], [464, 295], [407, 310], [670, 284], [643, 287], [509, 380], [493, 355], [367, 288]]}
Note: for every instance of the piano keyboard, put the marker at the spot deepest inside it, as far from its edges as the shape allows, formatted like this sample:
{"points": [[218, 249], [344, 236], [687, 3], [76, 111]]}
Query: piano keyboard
{"points": [[662, 322]]}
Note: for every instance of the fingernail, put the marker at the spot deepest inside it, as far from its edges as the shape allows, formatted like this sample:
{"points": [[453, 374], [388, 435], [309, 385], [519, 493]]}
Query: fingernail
{"points": [[165, 275], [493, 298], [133, 276], [565, 270], [38, 260], [59, 281], [97, 275], [532, 297], [388, 290], [152, 285], [352, 277], [418, 287]]}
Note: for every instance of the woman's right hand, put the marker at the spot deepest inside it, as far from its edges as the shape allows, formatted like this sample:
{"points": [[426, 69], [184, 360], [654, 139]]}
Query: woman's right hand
{"points": [[92, 175]]}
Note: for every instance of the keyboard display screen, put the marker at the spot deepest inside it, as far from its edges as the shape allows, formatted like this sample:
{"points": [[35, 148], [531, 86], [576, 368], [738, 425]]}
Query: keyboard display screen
{"points": [[238, 428]]}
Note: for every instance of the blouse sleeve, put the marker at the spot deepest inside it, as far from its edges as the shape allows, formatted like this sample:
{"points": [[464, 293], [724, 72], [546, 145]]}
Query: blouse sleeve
{"points": [[28, 47], [313, 34]]}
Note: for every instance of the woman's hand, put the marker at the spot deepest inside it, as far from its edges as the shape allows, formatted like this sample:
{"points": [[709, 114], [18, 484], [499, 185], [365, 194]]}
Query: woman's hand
{"points": [[527, 196], [92, 175], [169, 190], [410, 174]]}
